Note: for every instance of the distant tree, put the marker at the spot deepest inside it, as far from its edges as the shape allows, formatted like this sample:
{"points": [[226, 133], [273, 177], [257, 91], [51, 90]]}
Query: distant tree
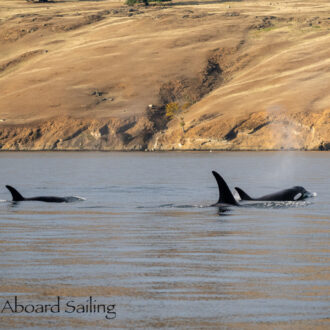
{"points": [[146, 2], [133, 2], [174, 110], [37, 0]]}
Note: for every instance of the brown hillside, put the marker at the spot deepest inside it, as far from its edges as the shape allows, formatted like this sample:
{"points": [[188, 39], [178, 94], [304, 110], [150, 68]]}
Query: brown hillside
{"points": [[98, 75]]}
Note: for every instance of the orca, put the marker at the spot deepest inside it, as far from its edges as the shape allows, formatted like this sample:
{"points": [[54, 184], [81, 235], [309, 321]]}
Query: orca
{"points": [[295, 193], [17, 197], [225, 195]]}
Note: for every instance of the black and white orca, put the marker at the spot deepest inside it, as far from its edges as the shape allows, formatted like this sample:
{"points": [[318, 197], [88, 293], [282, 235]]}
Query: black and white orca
{"points": [[296, 193], [17, 197]]}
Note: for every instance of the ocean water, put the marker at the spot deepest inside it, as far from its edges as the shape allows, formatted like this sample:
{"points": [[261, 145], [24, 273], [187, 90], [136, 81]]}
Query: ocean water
{"points": [[144, 248]]}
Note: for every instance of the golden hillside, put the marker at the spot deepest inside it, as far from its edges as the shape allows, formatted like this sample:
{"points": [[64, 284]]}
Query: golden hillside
{"points": [[98, 75]]}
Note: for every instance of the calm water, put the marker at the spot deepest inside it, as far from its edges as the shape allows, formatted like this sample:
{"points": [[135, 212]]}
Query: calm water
{"points": [[146, 240]]}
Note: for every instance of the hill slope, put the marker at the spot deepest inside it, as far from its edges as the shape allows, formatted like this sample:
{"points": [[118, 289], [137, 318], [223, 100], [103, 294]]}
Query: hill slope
{"points": [[98, 75]]}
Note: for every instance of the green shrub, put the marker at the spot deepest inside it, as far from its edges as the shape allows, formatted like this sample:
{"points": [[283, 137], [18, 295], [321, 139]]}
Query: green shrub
{"points": [[174, 110], [133, 2]]}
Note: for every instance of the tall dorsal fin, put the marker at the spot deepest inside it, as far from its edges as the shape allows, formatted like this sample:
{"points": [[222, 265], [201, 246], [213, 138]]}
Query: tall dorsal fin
{"points": [[244, 196], [225, 195], [16, 195]]}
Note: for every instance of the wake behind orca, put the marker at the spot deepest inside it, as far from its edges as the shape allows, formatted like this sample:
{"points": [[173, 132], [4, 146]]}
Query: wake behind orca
{"points": [[17, 197], [226, 197]]}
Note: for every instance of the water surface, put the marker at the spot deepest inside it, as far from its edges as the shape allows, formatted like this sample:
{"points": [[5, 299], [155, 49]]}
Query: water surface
{"points": [[147, 240]]}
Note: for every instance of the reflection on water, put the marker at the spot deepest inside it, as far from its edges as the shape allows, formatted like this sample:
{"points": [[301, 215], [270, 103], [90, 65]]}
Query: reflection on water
{"points": [[147, 240]]}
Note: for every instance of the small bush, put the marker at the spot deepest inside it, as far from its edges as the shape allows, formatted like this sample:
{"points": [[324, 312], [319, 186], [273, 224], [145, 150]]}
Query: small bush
{"points": [[146, 2], [133, 2], [36, 0], [174, 110]]}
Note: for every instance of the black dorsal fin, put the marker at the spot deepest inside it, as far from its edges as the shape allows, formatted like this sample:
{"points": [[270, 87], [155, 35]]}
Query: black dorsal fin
{"points": [[225, 195], [16, 195], [244, 196]]}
